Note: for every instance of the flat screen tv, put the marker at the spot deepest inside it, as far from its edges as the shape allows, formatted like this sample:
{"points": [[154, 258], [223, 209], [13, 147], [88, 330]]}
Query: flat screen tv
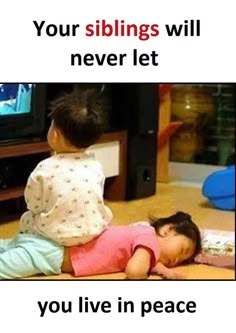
{"points": [[22, 111]]}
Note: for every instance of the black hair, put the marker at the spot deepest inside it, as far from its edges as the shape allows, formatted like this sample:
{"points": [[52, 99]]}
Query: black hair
{"points": [[79, 116], [183, 225]]}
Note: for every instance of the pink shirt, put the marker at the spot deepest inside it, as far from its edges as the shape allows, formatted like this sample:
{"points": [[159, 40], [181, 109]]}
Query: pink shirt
{"points": [[111, 251]]}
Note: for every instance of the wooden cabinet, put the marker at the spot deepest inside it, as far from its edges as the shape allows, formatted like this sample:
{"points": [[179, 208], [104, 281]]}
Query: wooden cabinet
{"points": [[163, 152]]}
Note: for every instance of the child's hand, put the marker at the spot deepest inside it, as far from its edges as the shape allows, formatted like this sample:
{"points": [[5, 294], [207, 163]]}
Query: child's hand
{"points": [[168, 273], [173, 274]]}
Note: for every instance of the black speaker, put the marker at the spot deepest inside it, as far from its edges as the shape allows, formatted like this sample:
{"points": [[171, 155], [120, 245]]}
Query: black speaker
{"points": [[141, 166], [135, 108]]}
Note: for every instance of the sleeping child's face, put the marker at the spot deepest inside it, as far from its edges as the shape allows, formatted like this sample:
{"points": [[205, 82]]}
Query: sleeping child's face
{"points": [[175, 248]]}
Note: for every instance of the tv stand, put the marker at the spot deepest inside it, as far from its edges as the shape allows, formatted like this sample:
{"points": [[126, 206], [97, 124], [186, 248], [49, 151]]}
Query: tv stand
{"points": [[110, 150], [11, 142]]}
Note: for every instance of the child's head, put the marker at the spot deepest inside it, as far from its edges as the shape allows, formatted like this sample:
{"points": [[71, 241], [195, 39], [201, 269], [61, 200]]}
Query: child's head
{"points": [[179, 238], [77, 121]]}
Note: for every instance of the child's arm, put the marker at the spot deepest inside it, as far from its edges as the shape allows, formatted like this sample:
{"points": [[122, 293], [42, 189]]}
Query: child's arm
{"points": [[138, 265], [167, 273], [33, 194]]}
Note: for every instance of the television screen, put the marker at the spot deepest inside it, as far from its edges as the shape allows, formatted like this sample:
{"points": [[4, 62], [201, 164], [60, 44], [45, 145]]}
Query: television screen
{"points": [[15, 98], [22, 111]]}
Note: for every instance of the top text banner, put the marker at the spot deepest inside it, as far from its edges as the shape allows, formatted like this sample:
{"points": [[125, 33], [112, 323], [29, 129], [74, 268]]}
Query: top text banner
{"points": [[120, 41]]}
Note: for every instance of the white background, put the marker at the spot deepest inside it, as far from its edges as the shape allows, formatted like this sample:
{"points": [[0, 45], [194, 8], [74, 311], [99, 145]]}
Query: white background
{"points": [[209, 58]]}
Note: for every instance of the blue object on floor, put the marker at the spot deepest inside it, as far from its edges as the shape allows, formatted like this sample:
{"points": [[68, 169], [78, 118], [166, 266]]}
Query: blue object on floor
{"points": [[219, 188]]}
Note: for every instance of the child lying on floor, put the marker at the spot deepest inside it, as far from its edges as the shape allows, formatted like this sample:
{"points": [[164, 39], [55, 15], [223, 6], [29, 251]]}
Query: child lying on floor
{"points": [[136, 250]]}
